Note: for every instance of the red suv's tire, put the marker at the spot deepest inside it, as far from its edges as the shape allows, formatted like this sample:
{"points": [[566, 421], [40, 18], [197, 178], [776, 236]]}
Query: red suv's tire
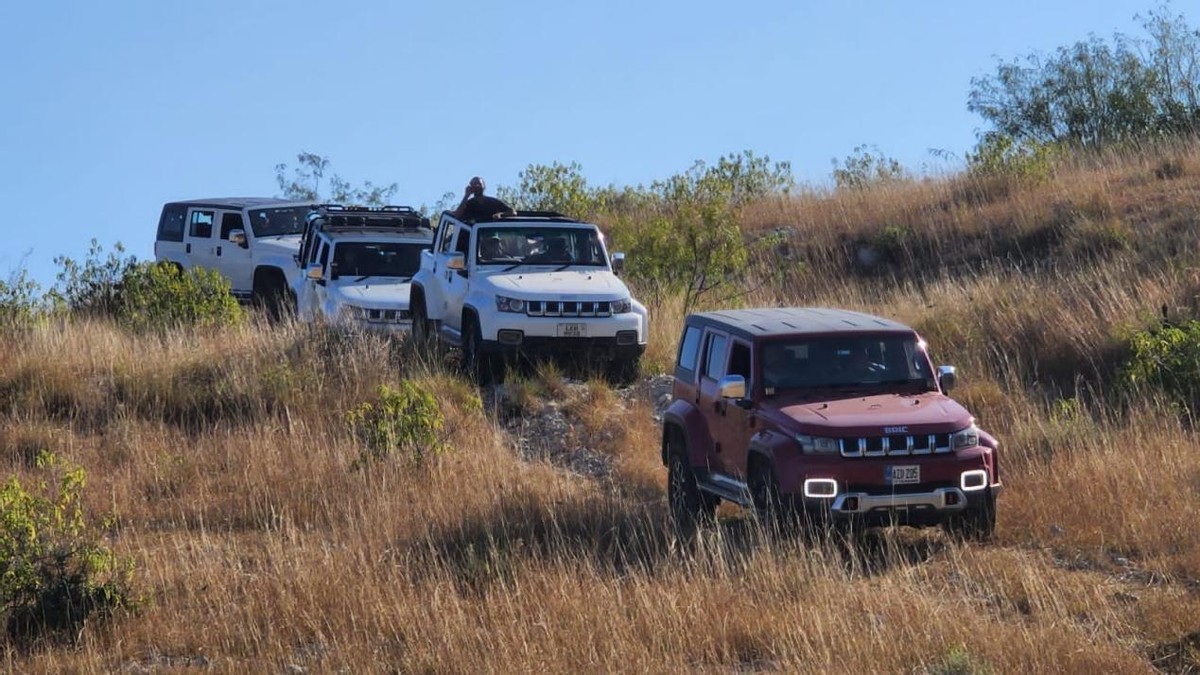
{"points": [[688, 506]]}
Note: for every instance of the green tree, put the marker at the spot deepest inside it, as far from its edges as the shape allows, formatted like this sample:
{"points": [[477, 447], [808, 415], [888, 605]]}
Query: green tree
{"points": [[304, 184], [554, 187], [1097, 91]]}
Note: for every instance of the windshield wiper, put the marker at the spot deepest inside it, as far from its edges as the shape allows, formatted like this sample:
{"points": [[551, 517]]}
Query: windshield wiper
{"points": [[365, 276], [512, 267]]}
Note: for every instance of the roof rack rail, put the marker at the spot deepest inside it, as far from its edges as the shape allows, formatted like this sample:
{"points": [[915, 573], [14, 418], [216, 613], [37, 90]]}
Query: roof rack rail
{"points": [[390, 208]]}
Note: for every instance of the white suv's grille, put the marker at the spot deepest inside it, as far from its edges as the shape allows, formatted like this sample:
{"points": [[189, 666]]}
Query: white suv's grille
{"points": [[388, 315], [568, 308], [892, 446]]}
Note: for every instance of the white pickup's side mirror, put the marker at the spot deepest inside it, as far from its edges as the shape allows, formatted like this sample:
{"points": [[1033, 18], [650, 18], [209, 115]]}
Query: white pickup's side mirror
{"points": [[238, 237], [732, 386], [618, 261], [456, 262], [947, 377], [315, 273]]}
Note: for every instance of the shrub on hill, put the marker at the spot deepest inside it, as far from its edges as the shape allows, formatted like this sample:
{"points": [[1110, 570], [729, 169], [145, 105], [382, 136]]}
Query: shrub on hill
{"points": [[143, 295], [1167, 359], [54, 575], [19, 302], [405, 418]]}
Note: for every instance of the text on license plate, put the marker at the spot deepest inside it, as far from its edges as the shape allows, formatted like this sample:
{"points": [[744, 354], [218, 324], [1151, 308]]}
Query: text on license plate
{"points": [[901, 475], [572, 330]]}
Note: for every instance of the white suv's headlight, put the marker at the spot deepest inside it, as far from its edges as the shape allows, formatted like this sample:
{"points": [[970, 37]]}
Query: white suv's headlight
{"points": [[504, 304], [623, 306], [817, 445], [966, 438]]}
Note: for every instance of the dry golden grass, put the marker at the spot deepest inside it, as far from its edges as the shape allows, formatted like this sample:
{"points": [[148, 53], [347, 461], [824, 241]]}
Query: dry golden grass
{"points": [[226, 464]]}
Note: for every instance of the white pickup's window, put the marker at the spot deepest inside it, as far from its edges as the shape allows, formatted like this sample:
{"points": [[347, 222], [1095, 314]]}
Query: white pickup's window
{"points": [[202, 224]]}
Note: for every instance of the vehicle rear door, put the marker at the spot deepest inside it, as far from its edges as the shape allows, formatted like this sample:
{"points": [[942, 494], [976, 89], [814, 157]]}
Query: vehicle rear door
{"points": [[708, 399], [168, 244], [198, 240], [234, 260]]}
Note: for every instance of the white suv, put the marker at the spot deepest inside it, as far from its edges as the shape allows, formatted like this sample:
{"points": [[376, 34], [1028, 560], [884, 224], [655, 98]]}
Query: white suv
{"points": [[358, 263], [536, 284], [251, 240]]}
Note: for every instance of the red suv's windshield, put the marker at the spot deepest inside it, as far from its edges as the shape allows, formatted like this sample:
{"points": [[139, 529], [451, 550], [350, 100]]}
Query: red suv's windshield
{"points": [[867, 360]]}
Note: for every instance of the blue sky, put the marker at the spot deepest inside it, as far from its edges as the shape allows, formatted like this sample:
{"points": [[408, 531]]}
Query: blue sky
{"points": [[110, 109]]}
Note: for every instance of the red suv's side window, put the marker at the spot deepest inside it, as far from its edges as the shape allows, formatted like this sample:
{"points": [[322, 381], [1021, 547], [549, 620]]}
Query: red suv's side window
{"points": [[715, 362]]}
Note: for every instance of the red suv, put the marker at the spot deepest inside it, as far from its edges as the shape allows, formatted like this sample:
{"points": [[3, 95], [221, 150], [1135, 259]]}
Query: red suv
{"points": [[825, 413]]}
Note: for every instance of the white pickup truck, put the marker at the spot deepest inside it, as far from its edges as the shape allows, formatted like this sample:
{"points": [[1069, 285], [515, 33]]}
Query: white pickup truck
{"points": [[252, 241], [357, 263], [535, 284]]}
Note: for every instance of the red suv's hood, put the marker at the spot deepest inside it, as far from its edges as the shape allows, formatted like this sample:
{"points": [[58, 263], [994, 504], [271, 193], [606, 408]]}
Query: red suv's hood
{"points": [[928, 413]]}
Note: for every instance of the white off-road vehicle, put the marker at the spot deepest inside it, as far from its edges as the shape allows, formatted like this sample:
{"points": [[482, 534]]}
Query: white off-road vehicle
{"points": [[358, 263], [534, 284], [250, 240]]}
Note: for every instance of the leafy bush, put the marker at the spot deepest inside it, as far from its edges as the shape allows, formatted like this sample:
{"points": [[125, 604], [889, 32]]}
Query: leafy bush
{"points": [[866, 166], [143, 295], [53, 573], [999, 154], [403, 419], [161, 295], [92, 288], [20, 305], [1166, 359]]}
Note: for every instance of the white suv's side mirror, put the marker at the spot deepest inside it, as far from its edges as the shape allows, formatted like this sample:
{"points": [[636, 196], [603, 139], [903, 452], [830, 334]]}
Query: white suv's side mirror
{"points": [[238, 237], [618, 261], [315, 273], [456, 262]]}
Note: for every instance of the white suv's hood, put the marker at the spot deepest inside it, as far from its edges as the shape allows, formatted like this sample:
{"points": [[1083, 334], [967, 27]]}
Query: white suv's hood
{"points": [[287, 244], [372, 294], [599, 284]]}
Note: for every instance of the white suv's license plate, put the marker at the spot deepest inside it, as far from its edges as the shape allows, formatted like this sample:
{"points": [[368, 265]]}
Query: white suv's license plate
{"points": [[902, 475], [572, 330]]}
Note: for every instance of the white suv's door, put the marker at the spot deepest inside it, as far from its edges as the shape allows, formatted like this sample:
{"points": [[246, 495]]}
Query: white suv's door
{"points": [[310, 299], [198, 240], [235, 261], [456, 283]]}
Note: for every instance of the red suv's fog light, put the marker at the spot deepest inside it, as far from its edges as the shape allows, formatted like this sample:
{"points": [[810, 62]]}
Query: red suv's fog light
{"points": [[976, 479], [820, 487], [852, 503], [951, 498]]}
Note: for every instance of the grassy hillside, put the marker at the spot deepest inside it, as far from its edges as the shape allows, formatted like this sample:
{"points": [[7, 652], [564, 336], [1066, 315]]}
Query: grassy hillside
{"points": [[221, 463]]}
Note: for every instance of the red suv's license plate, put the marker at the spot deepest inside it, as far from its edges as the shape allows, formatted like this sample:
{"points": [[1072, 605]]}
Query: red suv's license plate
{"points": [[902, 475]]}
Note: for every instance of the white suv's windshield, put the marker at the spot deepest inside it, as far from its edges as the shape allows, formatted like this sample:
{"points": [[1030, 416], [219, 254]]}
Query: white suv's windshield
{"points": [[377, 259], [856, 360], [533, 245], [276, 222]]}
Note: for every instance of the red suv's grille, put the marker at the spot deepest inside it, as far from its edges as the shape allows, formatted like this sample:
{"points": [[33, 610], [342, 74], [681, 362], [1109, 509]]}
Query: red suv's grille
{"points": [[892, 446]]}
